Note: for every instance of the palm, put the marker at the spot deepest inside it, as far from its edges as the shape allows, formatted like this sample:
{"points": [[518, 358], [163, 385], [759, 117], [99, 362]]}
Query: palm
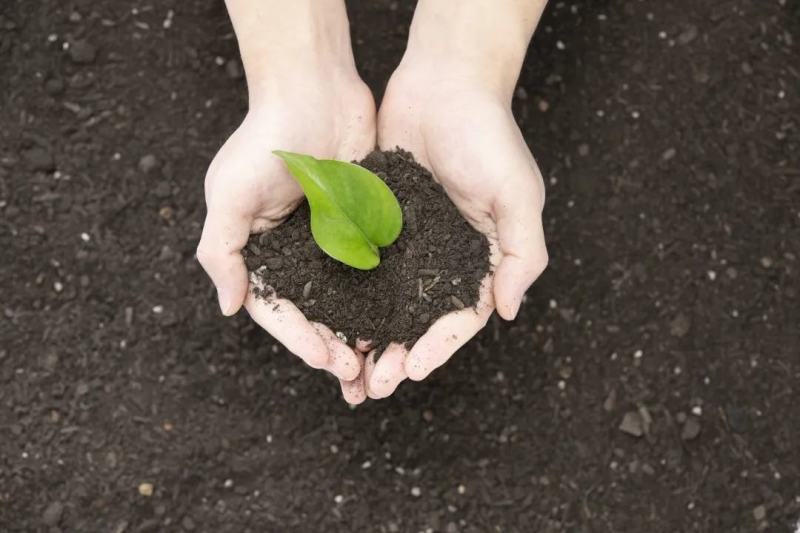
{"points": [[248, 189], [470, 142]]}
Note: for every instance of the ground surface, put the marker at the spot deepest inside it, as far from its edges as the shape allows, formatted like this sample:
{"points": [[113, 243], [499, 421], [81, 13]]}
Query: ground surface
{"points": [[668, 134]]}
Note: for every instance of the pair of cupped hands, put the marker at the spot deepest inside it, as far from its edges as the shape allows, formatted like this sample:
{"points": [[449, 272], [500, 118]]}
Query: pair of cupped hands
{"points": [[459, 128]]}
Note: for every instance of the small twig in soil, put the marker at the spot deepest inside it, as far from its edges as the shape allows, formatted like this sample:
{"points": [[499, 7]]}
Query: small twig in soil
{"points": [[431, 284]]}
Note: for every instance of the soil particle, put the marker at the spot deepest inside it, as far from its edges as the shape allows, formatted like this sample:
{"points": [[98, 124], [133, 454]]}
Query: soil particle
{"points": [[234, 69], [408, 291], [148, 163], [738, 419], [679, 326], [188, 524], [632, 424], [146, 489], [611, 401], [39, 159], [760, 513], [688, 35], [54, 86], [82, 52], [52, 515], [691, 429]]}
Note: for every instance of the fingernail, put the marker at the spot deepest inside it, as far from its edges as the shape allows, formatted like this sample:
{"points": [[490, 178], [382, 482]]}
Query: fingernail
{"points": [[225, 301]]}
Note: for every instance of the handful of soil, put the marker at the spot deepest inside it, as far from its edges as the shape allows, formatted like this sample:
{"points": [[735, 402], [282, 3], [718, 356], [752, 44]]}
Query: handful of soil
{"points": [[434, 267]]}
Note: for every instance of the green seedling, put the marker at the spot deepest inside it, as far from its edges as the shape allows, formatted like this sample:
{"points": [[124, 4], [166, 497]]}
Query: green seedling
{"points": [[353, 212]]}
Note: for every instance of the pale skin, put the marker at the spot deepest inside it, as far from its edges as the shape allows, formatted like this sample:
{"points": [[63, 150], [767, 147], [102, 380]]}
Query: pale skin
{"points": [[448, 103]]}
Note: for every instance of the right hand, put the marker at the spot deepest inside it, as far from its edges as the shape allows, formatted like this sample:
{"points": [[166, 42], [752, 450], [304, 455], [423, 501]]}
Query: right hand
{"points": [[320, 111]]}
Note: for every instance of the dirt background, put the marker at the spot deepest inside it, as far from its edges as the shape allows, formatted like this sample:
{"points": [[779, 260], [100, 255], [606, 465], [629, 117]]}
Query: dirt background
{"points": [[668, 135]]}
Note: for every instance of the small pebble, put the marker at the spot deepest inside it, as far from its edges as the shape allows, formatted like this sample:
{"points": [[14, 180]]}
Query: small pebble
{"points": [[146, 489], [632, 424], [680, 325], [82, 52], [52, 515], [738, 419], [54, 86], [611, 401], [148, 163], [688, 35], [760, 513], [416, 492], [39, 159], [691, 429], [234, 69], [166, 213]]}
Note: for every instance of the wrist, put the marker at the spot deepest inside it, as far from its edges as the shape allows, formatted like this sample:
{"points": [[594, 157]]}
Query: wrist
{"points": [[481, 42], [284, 43]]}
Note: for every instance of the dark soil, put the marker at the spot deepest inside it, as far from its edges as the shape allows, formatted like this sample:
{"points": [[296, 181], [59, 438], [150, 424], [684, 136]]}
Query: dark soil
{"points": [[434, 267], [669, 136]]}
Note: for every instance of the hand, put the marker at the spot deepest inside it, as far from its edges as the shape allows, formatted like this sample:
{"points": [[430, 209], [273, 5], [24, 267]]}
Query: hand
{"points": [[314, 104], [463, 131]]}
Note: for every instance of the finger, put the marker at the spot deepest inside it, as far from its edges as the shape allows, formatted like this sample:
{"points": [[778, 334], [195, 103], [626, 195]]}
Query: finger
{"points": [[354, 391], [343, 362], [359, 137], [364, 346], [287, 324], [398, 127], [388, 373], [448, 334], [369, 366], [225, 233], [522, 244]]}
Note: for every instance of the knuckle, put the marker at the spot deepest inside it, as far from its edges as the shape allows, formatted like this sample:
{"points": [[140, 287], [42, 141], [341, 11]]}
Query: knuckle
{"points": [[204, 255], [316, 360], [539, 262], [543, 260]]}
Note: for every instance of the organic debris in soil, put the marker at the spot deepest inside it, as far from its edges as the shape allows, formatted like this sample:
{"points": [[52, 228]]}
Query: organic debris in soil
{"points": [[435, 266]]}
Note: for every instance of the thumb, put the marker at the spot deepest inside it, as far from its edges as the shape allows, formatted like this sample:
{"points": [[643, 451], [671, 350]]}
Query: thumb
{"points": [[225, 233], [518, 217]]}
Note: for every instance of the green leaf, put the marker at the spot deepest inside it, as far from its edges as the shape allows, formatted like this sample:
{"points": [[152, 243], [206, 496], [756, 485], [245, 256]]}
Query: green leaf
{"points": [[353, 212]]}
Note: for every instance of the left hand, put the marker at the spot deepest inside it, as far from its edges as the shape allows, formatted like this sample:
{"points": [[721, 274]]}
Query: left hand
{"points": [[464, 132]]}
